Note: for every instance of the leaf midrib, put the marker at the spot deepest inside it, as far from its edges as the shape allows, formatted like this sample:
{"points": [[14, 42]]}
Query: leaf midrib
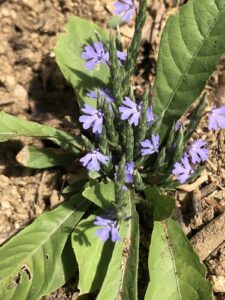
{"points": [[124, 265], [165, 227], [192, 59]]}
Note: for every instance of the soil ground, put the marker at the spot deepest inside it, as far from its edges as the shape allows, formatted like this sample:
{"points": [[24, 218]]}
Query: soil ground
{"points": [[32, 87]]}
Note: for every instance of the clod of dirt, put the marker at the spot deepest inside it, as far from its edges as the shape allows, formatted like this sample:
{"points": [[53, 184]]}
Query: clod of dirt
{"points": [[218, 283]]}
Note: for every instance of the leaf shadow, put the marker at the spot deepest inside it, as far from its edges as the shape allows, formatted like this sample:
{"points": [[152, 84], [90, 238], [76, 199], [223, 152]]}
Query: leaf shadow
{"points": [[79, 234], [91, 82], [98, 192], [103, 264], [69, 265]]}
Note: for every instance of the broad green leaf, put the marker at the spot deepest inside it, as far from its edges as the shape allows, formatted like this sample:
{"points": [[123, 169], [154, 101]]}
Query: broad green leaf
{"points": [[175, 270], [115, 21], [162, 206], [121, 277], [101, 194], [70, 45], [11, 127], [92, 254], [38, 158], [76, 187], [35, 261], [79, 181], [191, 44]]}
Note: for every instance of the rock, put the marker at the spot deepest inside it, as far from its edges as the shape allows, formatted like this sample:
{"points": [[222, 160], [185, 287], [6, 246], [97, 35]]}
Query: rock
{"points": [[5, 12], [54, 198], [4, 181], [10, 82], [218, 283], [21, 95]]}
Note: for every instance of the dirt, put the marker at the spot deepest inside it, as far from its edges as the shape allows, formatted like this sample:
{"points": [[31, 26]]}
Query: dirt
{"points": [[32, 87]]}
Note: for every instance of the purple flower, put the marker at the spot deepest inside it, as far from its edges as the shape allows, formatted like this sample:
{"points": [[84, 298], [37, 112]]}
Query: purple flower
{"points": [[130, 111], [105, 93], [91, 160], [178, 125], [109, 226], [129, 171], [197, 152], [183, 170], [125, 7], [92, 118], [150, 147], [217, 118], [150, 115], [95, 54], [121, 55]]}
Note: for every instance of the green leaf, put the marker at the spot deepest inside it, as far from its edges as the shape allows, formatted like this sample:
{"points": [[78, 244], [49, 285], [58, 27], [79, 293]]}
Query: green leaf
{"points": [[76, 187], [11, 127], [161, 205], [121, 277], [101, 194], [38, 158], [35, 261], [175, 270], [115, 21], [70, 45], [191, 44], [86, 246]]}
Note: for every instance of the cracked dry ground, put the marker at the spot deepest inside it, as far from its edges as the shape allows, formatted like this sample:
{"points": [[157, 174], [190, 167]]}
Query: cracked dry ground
{"points": [[32, 87]]}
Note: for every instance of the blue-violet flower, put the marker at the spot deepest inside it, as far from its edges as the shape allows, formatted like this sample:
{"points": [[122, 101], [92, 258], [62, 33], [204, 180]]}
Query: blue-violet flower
{"points": [[121, 55], [178, 125], [92, 118], [197, 152], [183, 170], [109, 227], [150, 146], [130, 111], [91, 160], [95, 54], [104, 93], [150, 115], [217, 118], [129, 171], [125, 7]]}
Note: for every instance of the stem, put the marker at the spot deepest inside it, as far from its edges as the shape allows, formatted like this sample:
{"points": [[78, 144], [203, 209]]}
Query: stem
{"points": [[133, 50]]}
